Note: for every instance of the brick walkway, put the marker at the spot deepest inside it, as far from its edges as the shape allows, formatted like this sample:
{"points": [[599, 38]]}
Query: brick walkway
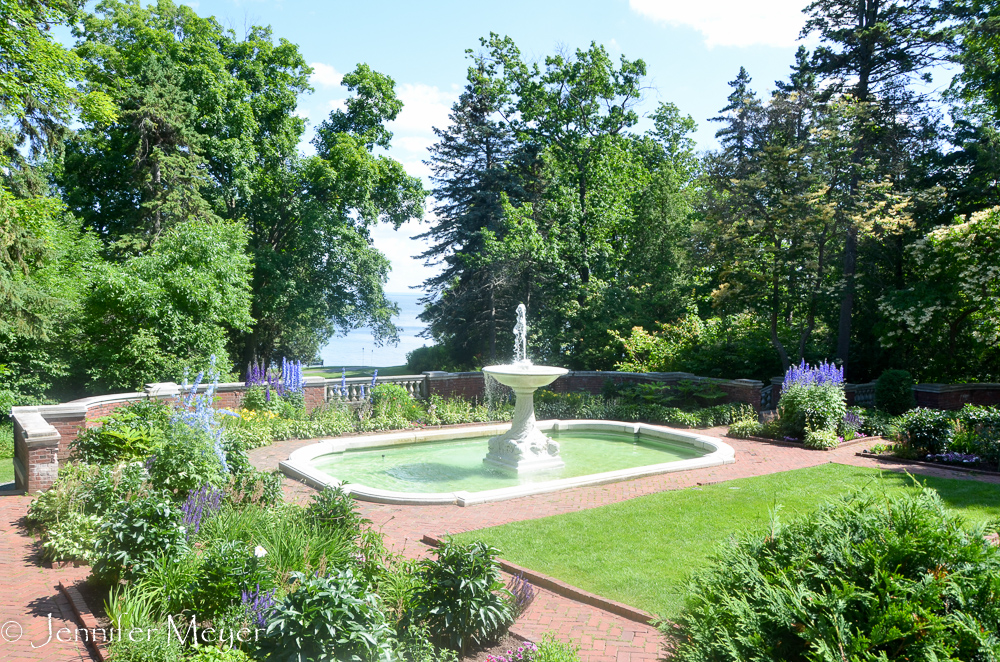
{"points": [[29, 594], [602, 637]]}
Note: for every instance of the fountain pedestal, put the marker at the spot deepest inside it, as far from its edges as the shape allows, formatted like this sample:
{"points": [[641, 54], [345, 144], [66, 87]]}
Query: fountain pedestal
{"points": [[524, 448]]}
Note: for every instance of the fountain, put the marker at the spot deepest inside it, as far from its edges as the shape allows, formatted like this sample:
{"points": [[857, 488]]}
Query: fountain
{"points": [[524, 449]]}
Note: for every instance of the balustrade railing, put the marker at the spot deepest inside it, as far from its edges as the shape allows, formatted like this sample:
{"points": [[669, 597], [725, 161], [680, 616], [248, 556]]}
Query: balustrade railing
{"points": [[358, 389], [767, 398]]}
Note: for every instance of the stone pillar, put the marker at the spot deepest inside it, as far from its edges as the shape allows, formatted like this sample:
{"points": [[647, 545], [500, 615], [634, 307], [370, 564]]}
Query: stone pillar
{"points": [[36, 451]]}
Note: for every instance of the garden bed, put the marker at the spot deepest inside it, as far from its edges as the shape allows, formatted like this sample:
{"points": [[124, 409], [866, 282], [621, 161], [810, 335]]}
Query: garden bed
{"points": [[978, 468], [799, 444]]}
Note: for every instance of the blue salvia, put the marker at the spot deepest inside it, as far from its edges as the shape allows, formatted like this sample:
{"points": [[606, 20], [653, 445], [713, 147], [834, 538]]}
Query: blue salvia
{"points": [[206, 500], [258, 604]]}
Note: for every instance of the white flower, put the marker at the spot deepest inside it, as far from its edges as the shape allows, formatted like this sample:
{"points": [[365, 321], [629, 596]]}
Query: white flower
{"points": [[259, 552]]}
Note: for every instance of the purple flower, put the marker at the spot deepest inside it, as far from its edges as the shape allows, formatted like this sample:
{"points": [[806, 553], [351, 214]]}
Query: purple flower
{"points": [[807, 375], [206, 500], [258, 604]]}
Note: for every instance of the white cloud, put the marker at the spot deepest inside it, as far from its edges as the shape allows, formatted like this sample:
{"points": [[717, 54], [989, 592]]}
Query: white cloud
{"points": [[402, 249], [424, 107], [324, 75], [731, 22]]}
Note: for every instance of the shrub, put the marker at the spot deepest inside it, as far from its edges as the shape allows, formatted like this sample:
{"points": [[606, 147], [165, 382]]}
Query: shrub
{"points": [[257, 487], [335, 508], [186, 460], [327, 619], [867, 577], [981, 428], [745, 428], [927, 430], [462, 598], [135, 534], [423, 359], [72, 538], [811, 407], [390, 400], [129, 433], [227, 571], [894, 392], [821, 439], [877, 423]]}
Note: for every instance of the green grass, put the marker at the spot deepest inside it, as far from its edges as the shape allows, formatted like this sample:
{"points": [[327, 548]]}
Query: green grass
{"points": [[640, 551], [6, 453], [331, 372]]}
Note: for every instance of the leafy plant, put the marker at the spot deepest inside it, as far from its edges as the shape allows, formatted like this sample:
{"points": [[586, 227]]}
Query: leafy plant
{"points": [[227, 571], [894, 392], [745, 428], [927, 430], [72, 538], [980, 427], [390, 400], [870, 576], [185, 461], [806, 407], [462, 598], [821, 439], [335, 508], [135, 534], [327, 619]]}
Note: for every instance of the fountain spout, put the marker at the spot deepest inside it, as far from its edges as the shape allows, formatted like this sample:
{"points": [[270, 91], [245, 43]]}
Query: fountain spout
{"points": [[524, 448]]}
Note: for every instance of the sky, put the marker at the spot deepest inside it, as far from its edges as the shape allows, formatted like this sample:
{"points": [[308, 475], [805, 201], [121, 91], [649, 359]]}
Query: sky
{"points": [[691, 48]]}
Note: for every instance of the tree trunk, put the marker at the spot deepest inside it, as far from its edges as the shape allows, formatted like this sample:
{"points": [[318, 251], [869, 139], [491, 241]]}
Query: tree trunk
{"points": [[847, 302]]}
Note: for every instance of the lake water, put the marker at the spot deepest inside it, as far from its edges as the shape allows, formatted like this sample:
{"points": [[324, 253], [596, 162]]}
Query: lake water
{"points": [[358, 348]]}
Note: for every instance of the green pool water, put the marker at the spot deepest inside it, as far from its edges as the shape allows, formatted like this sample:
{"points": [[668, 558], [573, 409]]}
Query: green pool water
{"points": [[457, 465]]}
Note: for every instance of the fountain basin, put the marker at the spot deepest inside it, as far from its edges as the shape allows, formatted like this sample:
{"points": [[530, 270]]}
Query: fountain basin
{"points": [[524, 376], [316, 465]]}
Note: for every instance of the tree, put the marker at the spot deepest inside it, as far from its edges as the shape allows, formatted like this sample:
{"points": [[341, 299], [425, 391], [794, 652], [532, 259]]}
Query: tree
{"points": [[154, 315], [475, 162], [872, 49], [946, 321]]}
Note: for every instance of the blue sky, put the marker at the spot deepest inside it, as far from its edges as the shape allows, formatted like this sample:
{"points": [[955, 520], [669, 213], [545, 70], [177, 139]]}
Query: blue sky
{"points": [[692, 49]]}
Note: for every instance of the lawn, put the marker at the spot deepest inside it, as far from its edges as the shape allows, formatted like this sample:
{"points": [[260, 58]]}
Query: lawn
{"points": [[640, 551], [331, 372]]}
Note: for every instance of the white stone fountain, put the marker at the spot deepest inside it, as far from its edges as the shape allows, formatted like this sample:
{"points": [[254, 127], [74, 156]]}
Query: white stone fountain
{"points": [[524, 448]]}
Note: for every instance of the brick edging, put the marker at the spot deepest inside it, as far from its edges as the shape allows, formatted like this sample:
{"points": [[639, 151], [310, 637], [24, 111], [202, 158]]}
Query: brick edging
{"points": [[799, 444], [566, 590], [85, 617], [924, 463]]}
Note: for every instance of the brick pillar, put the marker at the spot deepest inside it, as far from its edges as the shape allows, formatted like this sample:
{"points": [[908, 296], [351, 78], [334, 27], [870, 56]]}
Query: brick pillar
{"points": [[36, 451], [314, 392]]}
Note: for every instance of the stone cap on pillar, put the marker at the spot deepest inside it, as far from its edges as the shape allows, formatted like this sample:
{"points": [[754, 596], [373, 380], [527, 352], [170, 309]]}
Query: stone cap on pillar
{"points": [[36, 431]]}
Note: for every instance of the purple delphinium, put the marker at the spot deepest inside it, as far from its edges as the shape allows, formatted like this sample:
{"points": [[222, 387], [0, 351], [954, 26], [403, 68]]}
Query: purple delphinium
{"points": [[291, 376], [206, 500], [197, 412], [522, 591], [258, 605], [807, 375]]}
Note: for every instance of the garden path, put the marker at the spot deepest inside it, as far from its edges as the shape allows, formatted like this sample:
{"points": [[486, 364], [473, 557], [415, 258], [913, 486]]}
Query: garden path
{"points": [[602, 636], [29, 594]]}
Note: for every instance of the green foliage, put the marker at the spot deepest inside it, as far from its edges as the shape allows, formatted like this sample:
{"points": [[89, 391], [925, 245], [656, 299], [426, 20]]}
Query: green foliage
{"points": [[327, 619], [736, 346], [745, 428], [462, 598], [72, 538], [226, 571], [435, 357], [128, 434], [894, 392], [821, 439], [927, 430], [585, 406], [551, 649], [981, 427], [170, 308], [877, 423], [391, 400], [333, 507], [133, 535], [818, 407], [185, 460], [869, 576]]}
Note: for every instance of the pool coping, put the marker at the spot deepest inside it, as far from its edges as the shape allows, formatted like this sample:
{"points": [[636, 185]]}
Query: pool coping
{"points": [[299, 463]]}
